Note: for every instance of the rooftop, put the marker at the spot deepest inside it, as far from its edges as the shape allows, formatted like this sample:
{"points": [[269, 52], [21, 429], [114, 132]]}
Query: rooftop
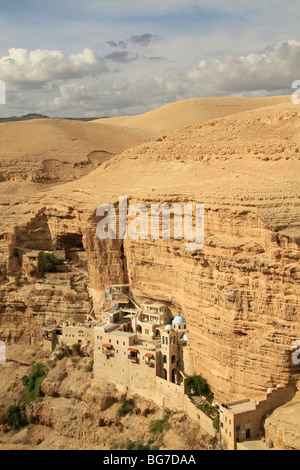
{"points": [[240, 406], [179, 319], [123, 333], [107, 326]]}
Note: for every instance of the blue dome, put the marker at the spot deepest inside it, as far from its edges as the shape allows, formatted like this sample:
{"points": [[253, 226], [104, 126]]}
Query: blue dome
{"points": [[178, 319], [185, 337], [168, 327]]}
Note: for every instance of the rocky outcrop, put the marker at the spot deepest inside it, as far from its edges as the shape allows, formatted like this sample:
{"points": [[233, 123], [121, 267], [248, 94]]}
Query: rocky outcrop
{"points": [[282, 427]]}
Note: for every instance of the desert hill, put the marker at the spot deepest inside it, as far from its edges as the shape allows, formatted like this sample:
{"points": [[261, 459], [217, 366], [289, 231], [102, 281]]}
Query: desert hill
{"points": [[190, 112], [57, 150], [51, 150]]}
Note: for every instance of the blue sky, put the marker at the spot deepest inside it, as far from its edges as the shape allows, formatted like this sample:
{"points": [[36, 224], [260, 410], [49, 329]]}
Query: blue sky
{"points": [[110, 57]]}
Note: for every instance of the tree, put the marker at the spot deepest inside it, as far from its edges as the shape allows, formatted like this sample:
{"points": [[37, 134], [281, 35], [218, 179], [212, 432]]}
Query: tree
{"points": [[16, 416], [200, 386], [48, 263]]}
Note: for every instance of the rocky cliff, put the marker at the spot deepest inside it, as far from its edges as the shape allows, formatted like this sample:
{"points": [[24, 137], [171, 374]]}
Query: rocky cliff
{"points": [[240, 293]]}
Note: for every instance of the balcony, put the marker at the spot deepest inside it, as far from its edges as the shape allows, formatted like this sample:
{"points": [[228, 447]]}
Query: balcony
{"points": [[133, 358], [133, 355], [106, 349], [150, 363], [107, 352], [150, 359]]}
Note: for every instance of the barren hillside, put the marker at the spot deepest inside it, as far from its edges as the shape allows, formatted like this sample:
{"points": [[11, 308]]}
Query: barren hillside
{"points": [[240, 293]]}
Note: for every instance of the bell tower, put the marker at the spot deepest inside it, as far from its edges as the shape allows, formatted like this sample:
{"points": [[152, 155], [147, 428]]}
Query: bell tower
{"points": [[169, 345]]}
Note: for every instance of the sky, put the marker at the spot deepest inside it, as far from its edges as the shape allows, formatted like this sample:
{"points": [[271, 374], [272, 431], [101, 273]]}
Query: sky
{"points": [[102, 58]]}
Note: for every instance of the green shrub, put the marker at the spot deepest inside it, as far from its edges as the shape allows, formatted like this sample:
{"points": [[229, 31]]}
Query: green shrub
{"points": [[63, 352], [129, 445], [199, 385], [216, 423], [127, 407], [48, 263], [90, 366], [76, 349], [16, 416], [33, 382], [208, 409], [159, 425]]}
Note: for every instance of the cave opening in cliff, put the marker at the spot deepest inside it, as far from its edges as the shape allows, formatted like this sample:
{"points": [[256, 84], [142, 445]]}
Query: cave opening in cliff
{"points": [[69, 242]]}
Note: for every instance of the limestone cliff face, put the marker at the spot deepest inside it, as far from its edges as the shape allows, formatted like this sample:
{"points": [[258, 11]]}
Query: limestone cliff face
{"points": [[239, 296], [240, 293]]}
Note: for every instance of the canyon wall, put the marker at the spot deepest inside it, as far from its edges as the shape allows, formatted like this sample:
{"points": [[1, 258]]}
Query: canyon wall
{"points": [[239, 293]]}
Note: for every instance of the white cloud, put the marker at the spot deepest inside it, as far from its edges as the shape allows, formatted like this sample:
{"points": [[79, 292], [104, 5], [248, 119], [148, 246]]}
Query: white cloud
{"points": [[273, 68], [32, 69], [269, 71]]}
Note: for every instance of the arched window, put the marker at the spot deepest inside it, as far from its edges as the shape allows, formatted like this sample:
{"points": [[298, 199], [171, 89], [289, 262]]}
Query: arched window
{"points": [[173, 359]]}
